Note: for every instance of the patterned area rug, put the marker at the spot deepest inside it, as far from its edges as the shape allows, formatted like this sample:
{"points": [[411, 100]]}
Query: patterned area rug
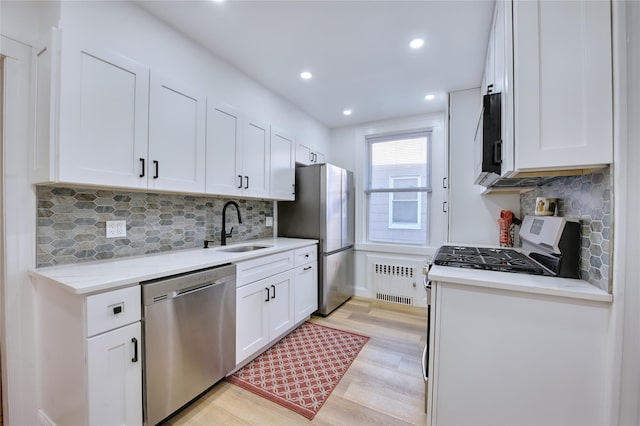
{"points": [[301, 370]]}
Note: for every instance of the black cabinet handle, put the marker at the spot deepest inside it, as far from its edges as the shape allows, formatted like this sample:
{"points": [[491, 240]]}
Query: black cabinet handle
{"points": [[117, 309], [444, 207], [273, 287], [157, 166], [240, 186], [310, 156], [307, 268], [444, 182], [135, 349], [268, 298], [497, 152], [315, 157], [306, 255], [247, 184], [142, 167]]}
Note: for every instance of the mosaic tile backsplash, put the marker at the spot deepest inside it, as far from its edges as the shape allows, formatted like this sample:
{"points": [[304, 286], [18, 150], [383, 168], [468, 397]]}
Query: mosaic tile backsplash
{"points": [[587, 198], [72, 223]]}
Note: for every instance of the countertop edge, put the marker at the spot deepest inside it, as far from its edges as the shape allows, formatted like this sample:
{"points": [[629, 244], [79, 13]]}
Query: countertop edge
{"points": [[69, 276], [579, 289]]}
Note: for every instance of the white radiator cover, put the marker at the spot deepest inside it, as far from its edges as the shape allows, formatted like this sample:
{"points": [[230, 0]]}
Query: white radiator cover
{"points": [[397, 280]]}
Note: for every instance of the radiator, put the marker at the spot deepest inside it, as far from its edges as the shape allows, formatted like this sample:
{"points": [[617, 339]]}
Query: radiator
{"points": [[394, 282]]}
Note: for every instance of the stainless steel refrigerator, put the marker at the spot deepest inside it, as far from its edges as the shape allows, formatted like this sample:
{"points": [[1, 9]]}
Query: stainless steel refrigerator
{"points": [[324, 209]]}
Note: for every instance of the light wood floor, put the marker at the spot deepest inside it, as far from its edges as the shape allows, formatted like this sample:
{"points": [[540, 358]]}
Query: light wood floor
{"points": [[383, 385]]}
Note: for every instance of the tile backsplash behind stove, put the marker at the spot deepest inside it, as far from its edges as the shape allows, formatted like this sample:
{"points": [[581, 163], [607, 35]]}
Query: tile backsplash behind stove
{"points": [[589, 199], [72, 223]]}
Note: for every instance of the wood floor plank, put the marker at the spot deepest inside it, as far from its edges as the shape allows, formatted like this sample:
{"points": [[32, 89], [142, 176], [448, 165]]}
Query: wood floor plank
{"points": [[383, 385]]}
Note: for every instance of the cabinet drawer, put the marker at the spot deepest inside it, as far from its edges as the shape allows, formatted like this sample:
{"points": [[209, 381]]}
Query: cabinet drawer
{"points": [[306, 255], [263, 267], [113, 309]]}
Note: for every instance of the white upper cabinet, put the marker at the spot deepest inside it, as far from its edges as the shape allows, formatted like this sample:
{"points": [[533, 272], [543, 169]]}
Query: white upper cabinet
{"points": [[224, 126], [255, 158], [176, 137], [104, 108], [103, 119], [551, 62], [282, 165], [306, 155], [562, 84], [238, 149]]}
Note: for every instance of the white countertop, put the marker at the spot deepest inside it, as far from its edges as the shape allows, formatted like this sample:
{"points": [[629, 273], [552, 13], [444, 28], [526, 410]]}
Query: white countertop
{"points": [[554, 286], [104, 275]]}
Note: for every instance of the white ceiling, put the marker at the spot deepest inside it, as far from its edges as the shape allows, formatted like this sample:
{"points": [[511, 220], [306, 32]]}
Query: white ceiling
{"points": [[358, 51]]}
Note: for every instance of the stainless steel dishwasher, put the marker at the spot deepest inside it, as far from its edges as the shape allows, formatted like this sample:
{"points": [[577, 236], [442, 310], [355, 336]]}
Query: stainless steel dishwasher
{"points": [[189, 337]]}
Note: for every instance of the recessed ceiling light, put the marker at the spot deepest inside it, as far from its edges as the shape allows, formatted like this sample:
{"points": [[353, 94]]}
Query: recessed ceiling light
{"points": [[305, 75], [430, 97], [347, 112], [416, 43]]}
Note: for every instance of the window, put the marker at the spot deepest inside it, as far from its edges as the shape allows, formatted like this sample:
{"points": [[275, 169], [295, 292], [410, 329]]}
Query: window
{"points": [[397, 189], [404, 207]]}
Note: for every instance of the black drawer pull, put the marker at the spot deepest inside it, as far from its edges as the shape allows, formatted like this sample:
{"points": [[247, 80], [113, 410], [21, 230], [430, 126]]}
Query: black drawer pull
{"points": [[156, 163], [268, 298], [307, 268], [117, 309], [142, 167], [274, 291], [135, 349]]}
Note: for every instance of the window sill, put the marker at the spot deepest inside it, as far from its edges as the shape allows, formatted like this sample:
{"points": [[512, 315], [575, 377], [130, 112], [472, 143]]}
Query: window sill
{"points": [[396, 249]]}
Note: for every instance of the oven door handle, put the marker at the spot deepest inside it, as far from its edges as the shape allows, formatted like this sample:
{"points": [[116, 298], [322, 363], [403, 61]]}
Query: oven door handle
{"points": [[424, 362]]}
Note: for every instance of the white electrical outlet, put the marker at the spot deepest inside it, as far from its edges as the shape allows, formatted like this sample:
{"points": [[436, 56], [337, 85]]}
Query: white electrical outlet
{"points": [[269, 221], [116, 228]]}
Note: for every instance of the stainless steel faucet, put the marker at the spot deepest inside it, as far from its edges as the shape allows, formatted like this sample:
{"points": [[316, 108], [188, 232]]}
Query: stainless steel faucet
{"points": [[223, 233]]}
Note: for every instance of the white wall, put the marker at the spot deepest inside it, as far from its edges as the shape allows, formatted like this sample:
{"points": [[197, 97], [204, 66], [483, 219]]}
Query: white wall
{"points": [[128, 29], [472, 216]]}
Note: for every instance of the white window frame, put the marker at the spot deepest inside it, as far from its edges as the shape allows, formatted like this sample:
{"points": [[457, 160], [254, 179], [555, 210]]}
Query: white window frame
{"points": [[438, 221], [370, 140], [404, 225]]}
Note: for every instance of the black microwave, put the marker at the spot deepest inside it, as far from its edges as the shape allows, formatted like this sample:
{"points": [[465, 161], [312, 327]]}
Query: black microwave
{"points": [[491, 143]]}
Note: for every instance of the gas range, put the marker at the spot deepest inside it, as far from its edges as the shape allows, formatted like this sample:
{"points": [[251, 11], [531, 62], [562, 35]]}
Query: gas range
{"points": [[491, 259], [551, 246]]}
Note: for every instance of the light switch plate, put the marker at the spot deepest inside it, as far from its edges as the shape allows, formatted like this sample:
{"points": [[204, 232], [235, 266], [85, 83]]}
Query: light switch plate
{"points": [[269, 221], [116, 228]]}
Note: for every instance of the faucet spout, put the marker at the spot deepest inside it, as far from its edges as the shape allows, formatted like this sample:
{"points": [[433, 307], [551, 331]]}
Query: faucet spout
{"points": [[223, 233]]}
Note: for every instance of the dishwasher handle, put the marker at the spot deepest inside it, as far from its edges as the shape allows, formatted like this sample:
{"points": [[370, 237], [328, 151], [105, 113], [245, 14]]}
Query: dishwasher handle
{"points": [[184, 291]]}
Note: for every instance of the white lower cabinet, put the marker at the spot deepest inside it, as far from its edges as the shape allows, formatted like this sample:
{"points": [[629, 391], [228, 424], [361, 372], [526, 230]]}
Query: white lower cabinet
{"points": [[306, 283], [114, 377], [89, 357], [264, 312], [270, 304], [500, 357]]}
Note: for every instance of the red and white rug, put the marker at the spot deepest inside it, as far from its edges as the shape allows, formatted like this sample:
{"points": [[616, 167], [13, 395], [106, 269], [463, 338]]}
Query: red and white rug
{"points": [[301, 370]]}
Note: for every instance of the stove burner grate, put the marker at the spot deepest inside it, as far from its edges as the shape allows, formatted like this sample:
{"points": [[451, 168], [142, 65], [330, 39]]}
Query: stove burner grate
{"points": [[492, 259]]}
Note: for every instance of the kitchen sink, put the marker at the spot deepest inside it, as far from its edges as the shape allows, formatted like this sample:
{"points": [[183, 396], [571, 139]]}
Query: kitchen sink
{"points": [[240, 249]]}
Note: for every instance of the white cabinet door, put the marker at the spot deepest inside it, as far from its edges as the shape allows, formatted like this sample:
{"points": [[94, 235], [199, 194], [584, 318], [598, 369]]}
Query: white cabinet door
{"points": [[282, 166], [305, 291], [103, 121], [176, 137], [319, 158], [224, 177], [252, 322], [281, 315], [255, 158], [114, 380], [303, 154], [563, 84]]}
